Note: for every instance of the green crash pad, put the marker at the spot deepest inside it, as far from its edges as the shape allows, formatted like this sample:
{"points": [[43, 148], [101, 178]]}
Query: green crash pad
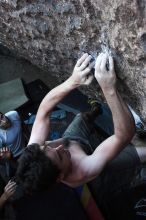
{"points": [[12, 95]]}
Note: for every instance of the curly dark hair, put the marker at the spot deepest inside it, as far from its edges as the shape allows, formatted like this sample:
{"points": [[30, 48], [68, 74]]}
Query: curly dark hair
{"points": [[36, 172]]}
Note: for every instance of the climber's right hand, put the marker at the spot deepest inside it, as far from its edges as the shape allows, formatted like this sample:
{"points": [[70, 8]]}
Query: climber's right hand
{"points": [[82, 71]]}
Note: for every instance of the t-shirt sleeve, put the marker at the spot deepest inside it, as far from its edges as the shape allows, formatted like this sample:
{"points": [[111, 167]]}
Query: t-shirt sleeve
{"points": [[13, 115]]}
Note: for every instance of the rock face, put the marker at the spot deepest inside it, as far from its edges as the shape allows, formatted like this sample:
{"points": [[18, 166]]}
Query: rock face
{"points": [[52, 34]]}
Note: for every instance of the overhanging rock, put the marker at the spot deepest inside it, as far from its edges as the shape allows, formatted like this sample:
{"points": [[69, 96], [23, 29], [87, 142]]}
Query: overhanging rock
{"points": [[52, 34]]}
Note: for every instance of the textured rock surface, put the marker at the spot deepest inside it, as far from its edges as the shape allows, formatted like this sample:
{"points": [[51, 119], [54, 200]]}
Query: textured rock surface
{"points": [[52, 34]]}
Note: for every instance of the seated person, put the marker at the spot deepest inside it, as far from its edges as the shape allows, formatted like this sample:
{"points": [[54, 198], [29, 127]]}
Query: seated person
{"points": [[77, 158], [11, 133]]}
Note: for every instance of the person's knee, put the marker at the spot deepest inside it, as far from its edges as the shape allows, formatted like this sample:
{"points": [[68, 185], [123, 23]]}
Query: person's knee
{"points": [[79, 114]]}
